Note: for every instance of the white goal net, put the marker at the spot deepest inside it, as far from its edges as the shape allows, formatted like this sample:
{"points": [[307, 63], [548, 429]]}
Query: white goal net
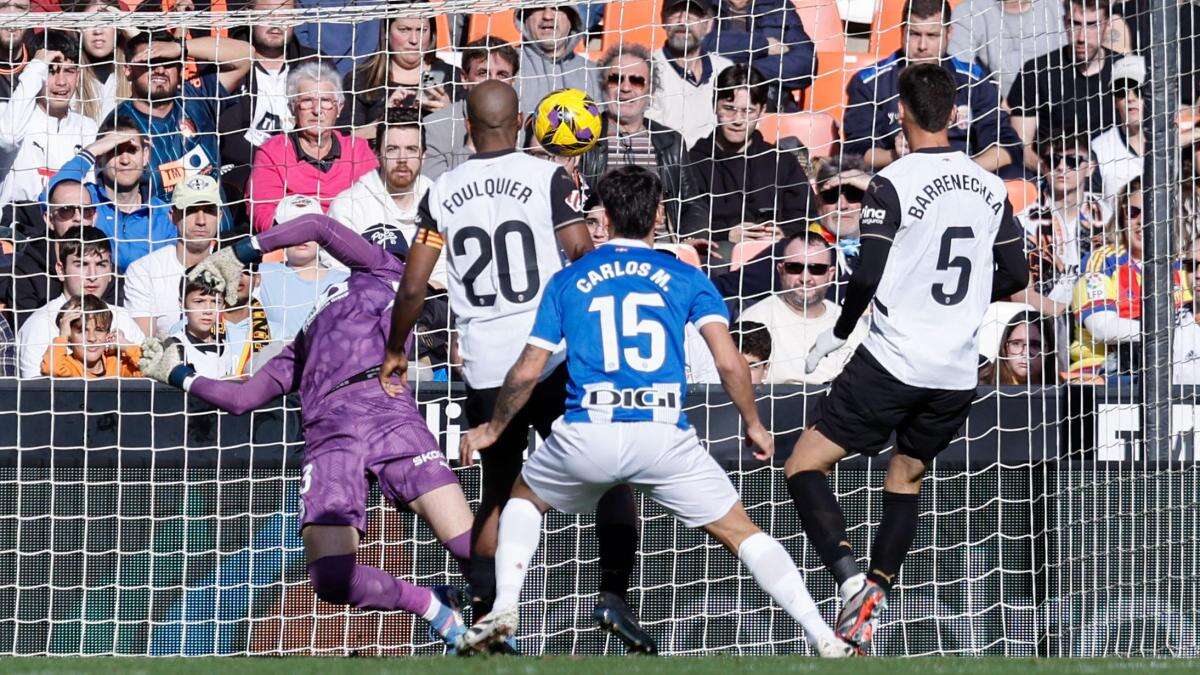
{"points": [[135, 520]]}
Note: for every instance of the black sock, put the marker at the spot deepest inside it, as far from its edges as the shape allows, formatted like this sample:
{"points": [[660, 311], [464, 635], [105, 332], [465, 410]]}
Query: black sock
{"points": [[895, 535], [823, 522], [617, 536], [482, 585]]}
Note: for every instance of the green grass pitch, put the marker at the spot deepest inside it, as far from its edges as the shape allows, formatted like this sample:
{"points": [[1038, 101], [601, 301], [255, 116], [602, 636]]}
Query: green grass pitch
{"points": [[567, 665]]}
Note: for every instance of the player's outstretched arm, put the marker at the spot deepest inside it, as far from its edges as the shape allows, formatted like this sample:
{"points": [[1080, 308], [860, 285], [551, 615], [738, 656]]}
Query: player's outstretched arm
{"points": [[344, 244], [574, 240], [406, 309], [518, 384], [735, 378], [161, 361]]}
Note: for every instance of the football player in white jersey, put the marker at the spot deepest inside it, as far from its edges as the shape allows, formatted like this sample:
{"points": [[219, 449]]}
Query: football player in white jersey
{"points": [[939, 244], [504, 217], [621, 311]]}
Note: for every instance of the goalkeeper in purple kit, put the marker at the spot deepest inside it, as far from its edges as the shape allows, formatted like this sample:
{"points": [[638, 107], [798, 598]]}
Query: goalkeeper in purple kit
{"points": [[353, 430]]}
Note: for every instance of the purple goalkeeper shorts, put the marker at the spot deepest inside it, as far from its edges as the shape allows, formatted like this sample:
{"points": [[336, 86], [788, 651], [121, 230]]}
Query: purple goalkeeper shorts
{"points": [[368, 435]]}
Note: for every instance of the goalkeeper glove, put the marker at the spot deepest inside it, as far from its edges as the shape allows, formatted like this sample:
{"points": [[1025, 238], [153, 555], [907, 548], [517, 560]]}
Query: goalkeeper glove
{"points": [[826, 344], [226, 265], [162, 361]]}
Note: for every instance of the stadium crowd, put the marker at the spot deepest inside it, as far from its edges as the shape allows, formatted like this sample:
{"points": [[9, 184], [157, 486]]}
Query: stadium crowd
{"points": [[127, 156]]}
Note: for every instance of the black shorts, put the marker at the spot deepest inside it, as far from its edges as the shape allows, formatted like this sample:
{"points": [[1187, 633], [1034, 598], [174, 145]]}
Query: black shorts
{"points": [[546, 403], [866, 404]]}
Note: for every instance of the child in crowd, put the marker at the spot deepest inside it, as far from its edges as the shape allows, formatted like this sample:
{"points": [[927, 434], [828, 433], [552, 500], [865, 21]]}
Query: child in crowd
{"points": [[754, 341], [87, 346], [203, 300]]}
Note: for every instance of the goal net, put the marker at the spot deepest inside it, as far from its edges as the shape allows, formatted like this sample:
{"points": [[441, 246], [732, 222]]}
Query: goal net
{"points": [[1062, 521]]}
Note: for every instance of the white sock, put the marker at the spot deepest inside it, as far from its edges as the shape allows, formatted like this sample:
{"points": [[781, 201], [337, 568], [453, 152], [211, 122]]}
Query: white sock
{"points": [[776, 573], [851, 586], [520, 531], [435, 606]]}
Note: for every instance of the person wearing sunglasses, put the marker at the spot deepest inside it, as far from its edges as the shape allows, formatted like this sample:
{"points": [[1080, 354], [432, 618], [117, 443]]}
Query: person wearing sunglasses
{"points": [[758, 192], [1119, 150], [1066, 222], [981, 127], [315, 159], [1107, 300], [800, 312], [632, 139]]}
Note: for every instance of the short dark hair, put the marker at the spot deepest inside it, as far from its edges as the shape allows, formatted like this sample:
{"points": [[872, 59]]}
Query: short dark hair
{"points": [[203, 284], [397, 118], [61, 41], [924, 9], [753, 339], [135, 43], [82, 240], [927, 92], [1089, 5], [740, 76], [91, 307], [479, 50], [630, 195], [116, 121], [1061, 142]]}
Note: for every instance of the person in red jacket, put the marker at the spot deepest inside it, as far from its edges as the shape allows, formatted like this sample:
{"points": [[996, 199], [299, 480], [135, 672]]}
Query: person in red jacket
{"points": [[313, 158]]}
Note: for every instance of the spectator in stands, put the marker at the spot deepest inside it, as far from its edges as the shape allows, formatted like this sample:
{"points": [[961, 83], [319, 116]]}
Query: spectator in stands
{"points": [[245, 329], [1024, 353], [549, 36], [754, 341], [8, 349], [841, 184], [203, 298], [405, 74], [382, 204], [1118, 150], [1062, 224], [1001, 35], [289, 290], [686, 71], [1185, 343], [33, 282], [597, 219], [180, 118], [259, 109], [757, 192], [766, 35], [316, 159], [84, 267], [872, 122], [1132, 20], [152, 281], [1107, 300], [344, 45], [37, 123], [88, 344], [447, 143], [14, 48], [626, 80], [101, 82], [800, 312], [1068, 90], [134, 219]]}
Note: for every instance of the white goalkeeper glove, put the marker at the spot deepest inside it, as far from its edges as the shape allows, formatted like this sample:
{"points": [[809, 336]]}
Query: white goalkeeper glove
{"points": [[225, 267], [826, 344], [159, 358]]}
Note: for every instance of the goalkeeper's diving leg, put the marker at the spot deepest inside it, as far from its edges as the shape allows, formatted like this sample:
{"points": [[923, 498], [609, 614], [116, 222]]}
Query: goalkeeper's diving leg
{"points": [[768, 562]]}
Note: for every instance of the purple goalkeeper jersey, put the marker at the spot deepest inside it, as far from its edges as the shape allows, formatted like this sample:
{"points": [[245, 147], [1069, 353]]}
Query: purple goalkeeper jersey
{"points": [[343, 336]]}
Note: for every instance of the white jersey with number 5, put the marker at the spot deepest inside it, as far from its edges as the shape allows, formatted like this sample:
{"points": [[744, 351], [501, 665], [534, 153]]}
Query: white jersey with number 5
{"points": [[496, 215], [942, 212]]}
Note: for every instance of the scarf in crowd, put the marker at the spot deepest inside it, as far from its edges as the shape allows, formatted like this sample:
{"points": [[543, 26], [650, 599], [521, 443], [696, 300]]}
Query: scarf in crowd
{"points": [[260, 335]]}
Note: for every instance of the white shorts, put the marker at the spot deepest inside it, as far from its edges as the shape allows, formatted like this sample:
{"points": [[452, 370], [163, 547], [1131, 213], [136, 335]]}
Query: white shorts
{"points": [[581, 461]]}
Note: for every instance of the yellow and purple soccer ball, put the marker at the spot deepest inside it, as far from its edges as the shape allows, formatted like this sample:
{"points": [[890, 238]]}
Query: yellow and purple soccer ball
{"points": [[567, 122]]}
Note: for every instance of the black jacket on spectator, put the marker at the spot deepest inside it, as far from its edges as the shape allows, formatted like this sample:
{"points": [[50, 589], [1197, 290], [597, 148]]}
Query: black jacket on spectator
{"points": [[757, 184], [365, 105], [686, 203], [1064, 101]]}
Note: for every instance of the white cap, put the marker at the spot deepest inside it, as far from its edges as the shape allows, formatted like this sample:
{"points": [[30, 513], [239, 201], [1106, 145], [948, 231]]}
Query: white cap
{"points": [[200, 189], [1130, 67], [294, 206]]}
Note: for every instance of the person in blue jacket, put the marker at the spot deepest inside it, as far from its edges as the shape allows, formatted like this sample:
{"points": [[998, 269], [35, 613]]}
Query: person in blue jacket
{"points": [[871, 123], [766, 35], [127, 210]]}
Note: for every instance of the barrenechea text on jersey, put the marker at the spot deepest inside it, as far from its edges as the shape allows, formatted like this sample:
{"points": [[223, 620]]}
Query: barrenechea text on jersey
{"points": [[945, 183], [606, 271]]}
